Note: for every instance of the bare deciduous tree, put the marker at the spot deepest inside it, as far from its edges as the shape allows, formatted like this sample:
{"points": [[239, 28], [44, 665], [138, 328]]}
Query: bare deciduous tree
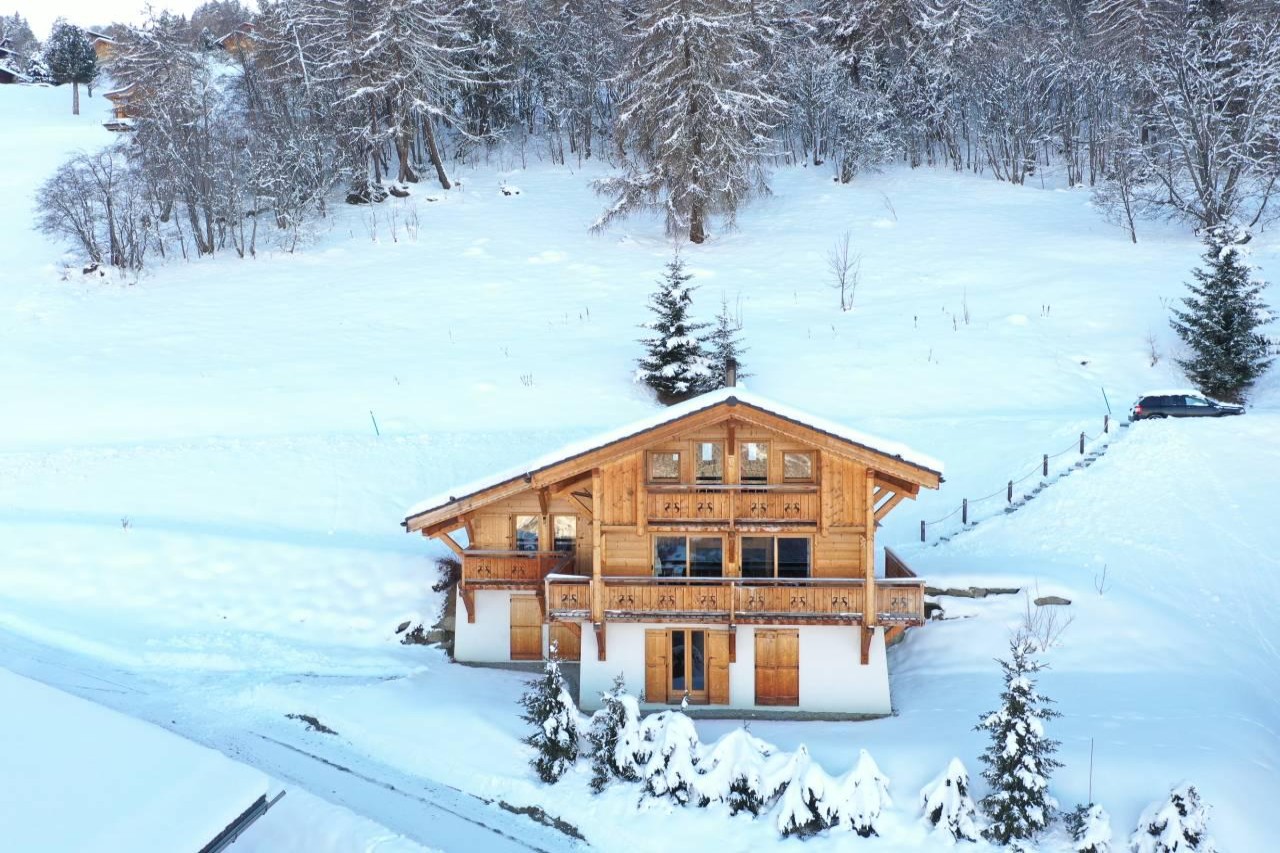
{"points": [[845, 268]]}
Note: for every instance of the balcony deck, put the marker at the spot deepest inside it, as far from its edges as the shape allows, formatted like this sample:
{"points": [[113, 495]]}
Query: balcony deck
{"points": [[732, 505], [512, 569]]}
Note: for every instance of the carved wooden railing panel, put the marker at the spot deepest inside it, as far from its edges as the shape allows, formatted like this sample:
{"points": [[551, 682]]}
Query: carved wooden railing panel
{"points": [[568, 599], [824, 601], [511, 567], [688, 505], [776, 505], [900, 601], [722, 503]]}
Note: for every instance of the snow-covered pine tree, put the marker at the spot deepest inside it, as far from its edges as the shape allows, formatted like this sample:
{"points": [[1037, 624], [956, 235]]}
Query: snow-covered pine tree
{"points": [[1179, 824], [1221, 319], [723, 346], [71, 59], [614, 735], [1090, 828], [808, 798], [673, 365], [551, 711], [864, 794], [739, 770], [672, 745], [945, 803], [1019, 759], [697, 117]]}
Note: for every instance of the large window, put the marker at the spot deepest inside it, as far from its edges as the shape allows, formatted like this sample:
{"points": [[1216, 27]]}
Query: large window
{"points": [[688, 556], [709, 462], [526, 533], [664, 466], [564, 532], [753, 464], [775, 557], [686, 664], [689, 665], [797, 467]]}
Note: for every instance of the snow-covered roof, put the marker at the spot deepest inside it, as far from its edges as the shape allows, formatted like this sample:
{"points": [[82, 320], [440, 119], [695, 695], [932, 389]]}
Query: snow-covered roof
{"points": [[673, 413], [78, 776]]}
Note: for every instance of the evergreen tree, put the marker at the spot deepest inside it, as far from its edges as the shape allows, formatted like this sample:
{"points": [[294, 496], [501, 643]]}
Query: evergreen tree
{"points": [[1090, 828], [946, 804], [1221, 320], [674, 364], [741, 771], [614, 735], [1020, 757], [722, 347], [808, 798], [1176, 825], [71, 59], [551, 711], [698, 115], [672, 747]]}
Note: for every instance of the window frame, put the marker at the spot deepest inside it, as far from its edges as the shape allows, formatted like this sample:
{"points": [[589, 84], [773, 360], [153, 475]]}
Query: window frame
{"points": [[698, 479], [573, 543], [688, 553], [773, 556], [813, 466], [743, 460], [664, 481], [515, 532], [688, 663]]}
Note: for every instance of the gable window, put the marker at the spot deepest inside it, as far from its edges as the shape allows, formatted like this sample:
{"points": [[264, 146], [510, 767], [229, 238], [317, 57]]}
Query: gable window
{"points": [[564, 532], [775, 557], [797, 467], [526, 533], [709, 462], [664, 466], [688, 556], [754, 462]]}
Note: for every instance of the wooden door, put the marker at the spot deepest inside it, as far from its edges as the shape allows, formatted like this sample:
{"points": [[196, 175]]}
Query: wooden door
{"points": [[657, 646], [568, 639], [777, 667], [718, 667], [526, 628]]}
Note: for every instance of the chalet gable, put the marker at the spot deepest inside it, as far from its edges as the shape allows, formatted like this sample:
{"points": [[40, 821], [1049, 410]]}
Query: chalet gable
{"points": [[730, 408]]}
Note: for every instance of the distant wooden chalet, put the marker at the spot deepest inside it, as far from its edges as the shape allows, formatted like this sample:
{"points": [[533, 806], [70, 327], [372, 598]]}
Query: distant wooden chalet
{"points": [[123, 106], [240, 40], [722, 551], [104, 46], [11, 63]]}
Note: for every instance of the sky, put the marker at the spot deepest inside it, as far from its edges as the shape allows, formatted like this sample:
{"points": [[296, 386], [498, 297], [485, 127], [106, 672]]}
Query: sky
{"points": [[87, 13]]}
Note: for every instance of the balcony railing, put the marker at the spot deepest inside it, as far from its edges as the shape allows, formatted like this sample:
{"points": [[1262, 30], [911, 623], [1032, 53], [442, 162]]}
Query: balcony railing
{"points": [[729, 504], [512, 568], [735, 600]]}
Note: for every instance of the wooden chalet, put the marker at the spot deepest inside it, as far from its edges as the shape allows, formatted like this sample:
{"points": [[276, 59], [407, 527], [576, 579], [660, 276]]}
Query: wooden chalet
{"points": [[104, 46], [722, 551], [239, 41]]}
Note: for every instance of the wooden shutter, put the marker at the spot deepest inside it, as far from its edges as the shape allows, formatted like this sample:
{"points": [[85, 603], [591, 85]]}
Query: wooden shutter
{"points": [[526, 628], [777, 667], [657, 647], [718, 667], [568, 639]]}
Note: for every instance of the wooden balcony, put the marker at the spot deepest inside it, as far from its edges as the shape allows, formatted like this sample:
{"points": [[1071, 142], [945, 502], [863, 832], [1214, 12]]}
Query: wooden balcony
{"points": [[511, 569], [735, 601], [732, 505]]}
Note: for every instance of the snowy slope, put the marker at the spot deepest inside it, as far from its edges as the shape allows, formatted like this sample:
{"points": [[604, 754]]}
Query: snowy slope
{"points": [[191, 486]]}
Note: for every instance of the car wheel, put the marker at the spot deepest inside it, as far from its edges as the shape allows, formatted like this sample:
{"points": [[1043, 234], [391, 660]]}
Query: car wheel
{"points": [[1157, 417]]}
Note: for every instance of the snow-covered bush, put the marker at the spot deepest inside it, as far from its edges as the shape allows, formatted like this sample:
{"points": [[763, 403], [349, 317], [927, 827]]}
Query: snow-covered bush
{"points": [[551, 711], [1020, 758], [741, 771], [1090, 828], [670, 752], [1179, 824], [674, 364], [808, 799], [946, 803], [614, 737], [863, 795]]}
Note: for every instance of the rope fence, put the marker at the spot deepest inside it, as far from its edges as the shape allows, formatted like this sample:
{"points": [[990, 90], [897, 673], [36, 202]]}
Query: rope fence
{"points": [[1040, 470]]}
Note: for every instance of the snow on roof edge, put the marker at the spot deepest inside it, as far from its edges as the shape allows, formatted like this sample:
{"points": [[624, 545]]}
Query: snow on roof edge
{"points": [[672, 413]]}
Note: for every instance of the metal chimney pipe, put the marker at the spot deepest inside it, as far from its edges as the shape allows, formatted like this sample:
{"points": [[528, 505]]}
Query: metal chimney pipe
{"points": [[731, 374]]}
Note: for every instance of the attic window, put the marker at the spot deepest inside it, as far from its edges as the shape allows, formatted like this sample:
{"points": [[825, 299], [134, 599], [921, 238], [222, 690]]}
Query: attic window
{"points": [[797, 467], [755, 462], [710, 462], [664, 466]]}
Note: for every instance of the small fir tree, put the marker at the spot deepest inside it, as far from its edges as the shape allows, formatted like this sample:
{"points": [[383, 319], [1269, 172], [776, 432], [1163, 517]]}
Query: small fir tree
{"points": [[672, 748], [673, 365], [722, 348], [946, 804], [71, 59], [741, 771], [808, 798], [1020, 759], [1179, 824], [1220, 321], [551, 711], [1090, 828], [864, 795], [614, 735]]}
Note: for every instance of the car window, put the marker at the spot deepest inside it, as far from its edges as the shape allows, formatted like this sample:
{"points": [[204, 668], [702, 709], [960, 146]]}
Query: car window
{"points": [[1172, 401], [1196, 401]]}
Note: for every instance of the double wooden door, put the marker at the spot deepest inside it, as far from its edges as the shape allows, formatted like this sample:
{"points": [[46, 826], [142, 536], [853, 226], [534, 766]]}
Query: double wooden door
{"points": [[778, 667]]}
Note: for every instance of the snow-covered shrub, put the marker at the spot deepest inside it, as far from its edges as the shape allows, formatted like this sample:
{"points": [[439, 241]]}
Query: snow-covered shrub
{"points": [[947, 805], [551, 711], [670, 752], [863, 795], [739, 770], [1090, 828], [614, 737], [674, 364], [808, 798], [1179, 824], [1020, 758]]}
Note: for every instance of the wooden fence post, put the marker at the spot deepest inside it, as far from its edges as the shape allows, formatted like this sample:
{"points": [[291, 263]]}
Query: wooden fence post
{"points": [[1010, 500], [922, 530], [964, 511], [1044, 466], [1106, 423], [1082, 444]]}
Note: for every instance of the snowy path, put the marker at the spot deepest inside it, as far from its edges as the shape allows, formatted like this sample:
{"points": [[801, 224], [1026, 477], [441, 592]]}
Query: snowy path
{"points": [[430, 813]]}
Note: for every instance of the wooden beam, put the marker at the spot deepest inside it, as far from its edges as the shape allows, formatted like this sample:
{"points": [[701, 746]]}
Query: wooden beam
{"points": [[544, 501], [597, 548], [733, 644], [451, 543], [895, 484], [867, 634], [580, 501], [869, 613], [893, 634], [471, 532], [886, 506], [468, 602], [599, 629]]}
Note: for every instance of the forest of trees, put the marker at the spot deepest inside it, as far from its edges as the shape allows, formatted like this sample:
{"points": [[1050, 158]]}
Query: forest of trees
{"points": [[1166, 108]]}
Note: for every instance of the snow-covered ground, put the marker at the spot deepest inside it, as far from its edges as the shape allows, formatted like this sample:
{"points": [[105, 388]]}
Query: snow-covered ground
{"points": [[194, 501]]}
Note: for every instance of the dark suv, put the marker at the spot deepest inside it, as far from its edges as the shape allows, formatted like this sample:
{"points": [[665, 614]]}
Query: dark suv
{"points": [[1180, 404]]}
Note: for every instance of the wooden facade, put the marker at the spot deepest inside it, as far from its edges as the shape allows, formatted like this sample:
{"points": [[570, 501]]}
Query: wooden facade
{"points": [[729, 514]]}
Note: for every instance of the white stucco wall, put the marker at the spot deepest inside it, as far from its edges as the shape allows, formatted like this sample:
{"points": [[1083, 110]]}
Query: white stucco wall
{"points": [[488, 639], [832, 678]]}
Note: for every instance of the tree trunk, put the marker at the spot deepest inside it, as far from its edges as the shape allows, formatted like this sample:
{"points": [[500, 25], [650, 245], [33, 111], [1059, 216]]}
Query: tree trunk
{"points": [[75, 98], [406, 175], [696, 230], [433, 153]]}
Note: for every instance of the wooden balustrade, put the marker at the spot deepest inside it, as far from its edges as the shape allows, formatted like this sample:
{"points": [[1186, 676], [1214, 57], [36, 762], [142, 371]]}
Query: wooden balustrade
{"points": [[900, 601], [511, 568], [727, 504], [776, 505], [689, 505]]}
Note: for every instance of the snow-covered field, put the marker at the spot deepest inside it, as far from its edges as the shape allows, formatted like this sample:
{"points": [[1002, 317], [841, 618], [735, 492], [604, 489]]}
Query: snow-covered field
{"points": [[193, 497]]}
